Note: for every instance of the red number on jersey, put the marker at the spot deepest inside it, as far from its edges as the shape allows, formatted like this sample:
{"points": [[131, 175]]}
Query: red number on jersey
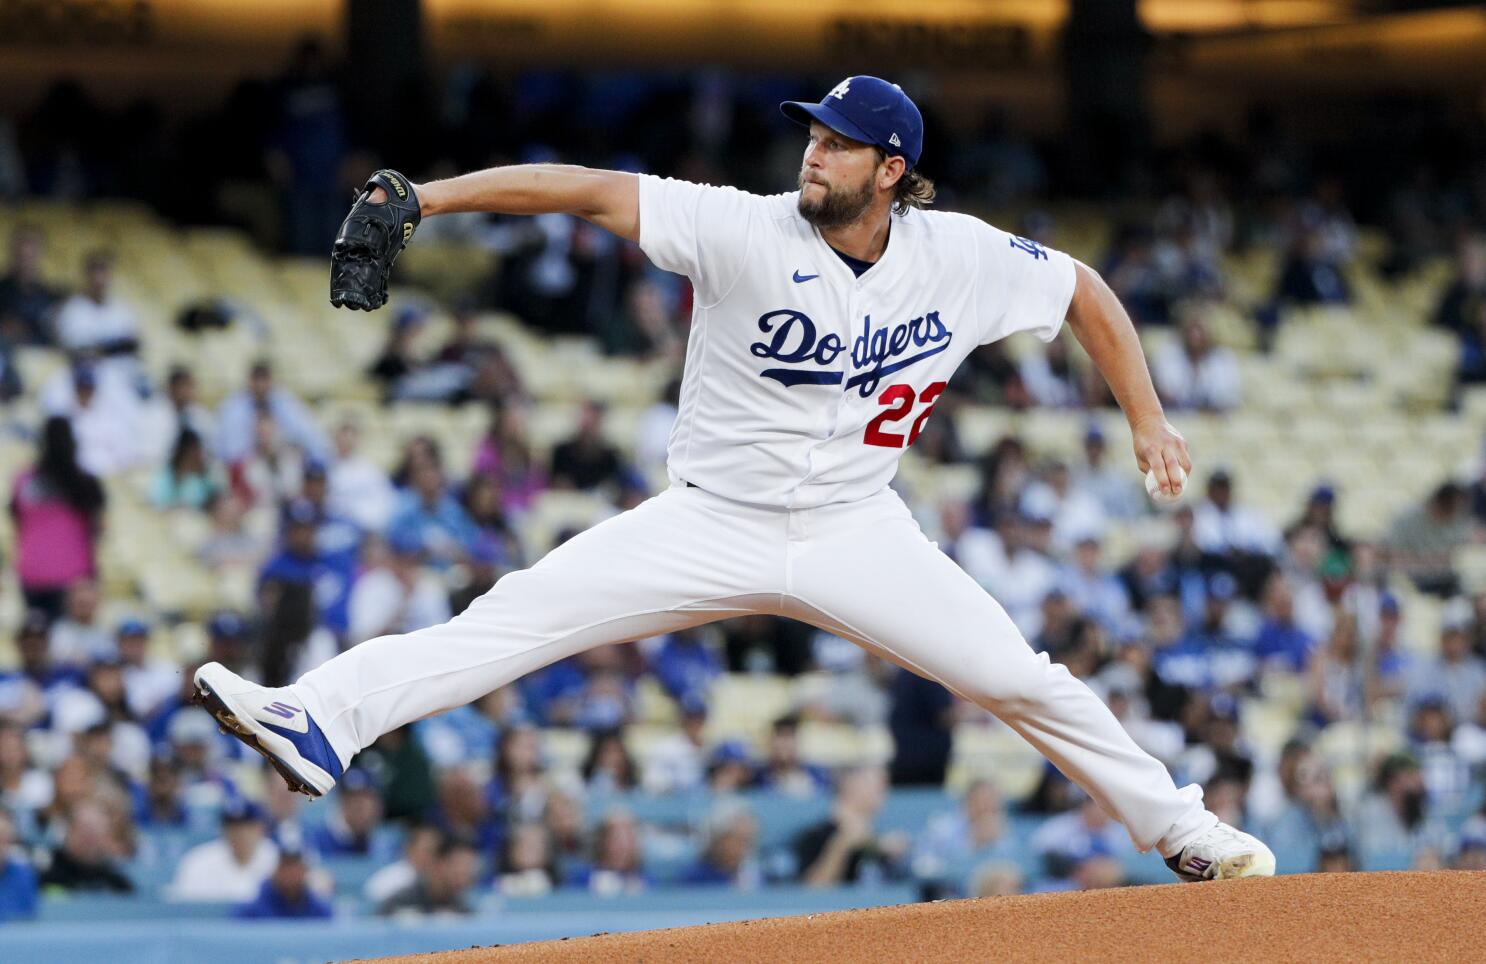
{"points": [[902, 397], [930, 395]]}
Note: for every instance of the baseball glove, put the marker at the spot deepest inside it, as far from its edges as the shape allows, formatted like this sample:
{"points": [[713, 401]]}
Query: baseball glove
{"points": [[370, 239]]}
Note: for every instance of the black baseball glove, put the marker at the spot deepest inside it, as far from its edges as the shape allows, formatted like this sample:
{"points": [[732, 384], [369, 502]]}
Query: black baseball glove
{"points": [[370, 239]]}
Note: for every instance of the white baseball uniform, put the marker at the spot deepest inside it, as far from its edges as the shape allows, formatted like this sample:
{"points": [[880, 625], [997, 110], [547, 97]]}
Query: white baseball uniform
{"points": [[803, 384]]}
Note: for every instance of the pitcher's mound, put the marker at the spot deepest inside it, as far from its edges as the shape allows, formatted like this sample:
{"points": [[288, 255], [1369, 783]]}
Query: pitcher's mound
{"points": [[1341, 917]]}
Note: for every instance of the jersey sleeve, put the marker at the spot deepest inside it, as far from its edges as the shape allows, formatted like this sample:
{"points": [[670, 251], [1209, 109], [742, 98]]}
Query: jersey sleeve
{"points": [[700, 231], [1024, 286]]}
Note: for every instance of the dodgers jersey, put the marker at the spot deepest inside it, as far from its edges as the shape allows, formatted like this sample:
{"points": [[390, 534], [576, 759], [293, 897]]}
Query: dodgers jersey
{"points": [[804, 383]]}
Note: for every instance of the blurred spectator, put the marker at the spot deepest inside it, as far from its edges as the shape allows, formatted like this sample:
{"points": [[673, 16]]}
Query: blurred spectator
{"points": [[77, 638], [1393, 821], [526, 862], [1209, 655], [1446, 776], [469, 732], [468, 809], [1134, 274], [237, 422], [617, 866], [1069, 841], [609, 768], [1469, 741], [1195, 373], [299, 589], [286, 894], [400, 766], [399, 596], [95, 321], [272, 472], [976, 549], [783, 771], [1116, 492], [88, 858], [685, 665], [1456, 675], [1223, 526], [1335, 680], [26, 300], [587, 461], [308, 146], [1094, 591], [1312, 272], [31, 688], [505, 454], [1320, 514], [234, 866], [674, 762], [1460, 306], [730, 768], [1050, 378], [104, 411], [955, 842], [729, 854], [850, 685], [352, 828], [430, 513], [398, 358], [1030, 572], [187, 480], [359, 488], [1280, 641], [25, 789], [444, 888], [178, 412], [420, 851], [922, 723], [653, 436], [846, 848], [231, 545], [18, 886], [562, 815], [497, 541], [58, 511], [1421, 540]]}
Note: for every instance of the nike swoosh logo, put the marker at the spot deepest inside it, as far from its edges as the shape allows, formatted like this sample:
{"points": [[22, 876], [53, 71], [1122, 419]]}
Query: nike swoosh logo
{"points": [[799, 278]]}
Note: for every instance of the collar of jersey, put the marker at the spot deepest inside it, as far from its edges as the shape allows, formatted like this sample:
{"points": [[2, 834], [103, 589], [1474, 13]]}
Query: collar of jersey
{"points": [[885, 266]]}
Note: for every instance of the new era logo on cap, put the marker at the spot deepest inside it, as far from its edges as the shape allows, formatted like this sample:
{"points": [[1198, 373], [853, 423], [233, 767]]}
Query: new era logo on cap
{"points": [[894, 140]]}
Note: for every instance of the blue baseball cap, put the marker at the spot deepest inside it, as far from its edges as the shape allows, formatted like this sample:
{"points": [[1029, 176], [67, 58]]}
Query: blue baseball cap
{"points": [[870, 110]]}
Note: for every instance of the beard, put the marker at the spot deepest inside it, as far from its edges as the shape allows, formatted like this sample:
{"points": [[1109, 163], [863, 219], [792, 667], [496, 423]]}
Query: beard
{"points": [[839, 207]]}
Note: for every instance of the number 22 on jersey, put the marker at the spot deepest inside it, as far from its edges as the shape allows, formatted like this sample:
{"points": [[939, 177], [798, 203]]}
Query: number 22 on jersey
{"points": [[900, 399]]}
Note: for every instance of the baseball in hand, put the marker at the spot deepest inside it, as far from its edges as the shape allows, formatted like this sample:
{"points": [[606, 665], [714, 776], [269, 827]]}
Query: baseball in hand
{"points": [[1152, 488]]}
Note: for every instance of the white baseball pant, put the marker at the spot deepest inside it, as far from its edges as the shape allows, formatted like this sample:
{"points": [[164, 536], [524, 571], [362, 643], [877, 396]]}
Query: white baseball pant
{"points": [[863, 570]]}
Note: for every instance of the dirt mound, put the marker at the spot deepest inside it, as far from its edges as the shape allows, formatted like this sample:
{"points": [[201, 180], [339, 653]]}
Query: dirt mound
{"points": [[1311, 917]]}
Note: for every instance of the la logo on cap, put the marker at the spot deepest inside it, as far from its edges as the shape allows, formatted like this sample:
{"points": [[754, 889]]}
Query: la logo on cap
{"points": [[841, 90]]}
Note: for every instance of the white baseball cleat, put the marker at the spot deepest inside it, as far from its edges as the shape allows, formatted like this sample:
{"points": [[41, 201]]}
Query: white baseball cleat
{"points": [[273, 722], [1223, 853]]}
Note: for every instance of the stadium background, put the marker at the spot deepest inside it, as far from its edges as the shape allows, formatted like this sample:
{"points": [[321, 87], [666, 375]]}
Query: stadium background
{"points": [[204, 460]]}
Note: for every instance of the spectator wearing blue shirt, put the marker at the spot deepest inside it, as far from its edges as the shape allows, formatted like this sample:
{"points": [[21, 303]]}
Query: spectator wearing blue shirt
{"points": [[1208, 656], [30, 692], [431, 511], [238, 418], [618, 866], [730, 858], [300, 567], [17, 877], [351, 829], [286, 894], [1280, 641], [685, 665]]}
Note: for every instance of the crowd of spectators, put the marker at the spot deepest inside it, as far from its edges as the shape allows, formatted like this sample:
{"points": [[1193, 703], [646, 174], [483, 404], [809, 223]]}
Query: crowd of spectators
{"points": [[106, 768]]}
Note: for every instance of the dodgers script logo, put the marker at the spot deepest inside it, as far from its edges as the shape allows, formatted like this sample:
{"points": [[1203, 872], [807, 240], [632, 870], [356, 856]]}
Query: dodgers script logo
{"points": [[875, 353]]}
